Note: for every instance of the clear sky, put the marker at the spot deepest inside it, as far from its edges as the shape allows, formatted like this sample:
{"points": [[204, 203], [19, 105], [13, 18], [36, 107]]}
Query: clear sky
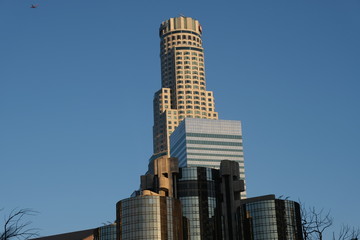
{"points": [[77, 80]]}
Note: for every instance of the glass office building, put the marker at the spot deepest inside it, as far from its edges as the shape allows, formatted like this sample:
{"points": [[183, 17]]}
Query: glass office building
{"points": [[149, 217], [206, 142], [267, 218], [198, 191]]}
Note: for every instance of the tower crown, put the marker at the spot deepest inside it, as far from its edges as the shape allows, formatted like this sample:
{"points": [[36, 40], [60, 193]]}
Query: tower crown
{"points": [[180, 24]]}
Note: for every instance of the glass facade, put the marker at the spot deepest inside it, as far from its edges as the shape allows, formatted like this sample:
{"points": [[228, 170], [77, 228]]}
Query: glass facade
{"points": [[206, 142], [149, 217], [107, 232], [198, 191], [272, 219]]}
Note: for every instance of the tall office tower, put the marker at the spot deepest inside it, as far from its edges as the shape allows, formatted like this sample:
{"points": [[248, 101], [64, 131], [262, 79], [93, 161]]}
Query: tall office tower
{"points": [[210, 200], [200, 196], [183, 91], [205, 142]]}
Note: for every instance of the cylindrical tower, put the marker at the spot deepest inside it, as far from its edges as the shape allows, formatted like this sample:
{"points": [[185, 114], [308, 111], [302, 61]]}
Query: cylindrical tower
{"points": [[149, 217], [183, 93]]}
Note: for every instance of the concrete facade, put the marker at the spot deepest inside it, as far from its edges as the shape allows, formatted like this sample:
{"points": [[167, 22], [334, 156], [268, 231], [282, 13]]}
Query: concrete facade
{"points": [[183, 91]]}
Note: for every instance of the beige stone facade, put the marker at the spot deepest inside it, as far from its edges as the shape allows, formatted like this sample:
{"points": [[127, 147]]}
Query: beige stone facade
{"points": [[183, 93]]}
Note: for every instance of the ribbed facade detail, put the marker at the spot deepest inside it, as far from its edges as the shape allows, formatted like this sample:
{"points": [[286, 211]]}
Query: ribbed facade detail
{"points": [[183, 91]]}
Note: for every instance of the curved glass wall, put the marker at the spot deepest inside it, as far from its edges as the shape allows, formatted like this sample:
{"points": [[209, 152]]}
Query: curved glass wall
{"points": [[149, 217], [272, 220], [197, 190]]}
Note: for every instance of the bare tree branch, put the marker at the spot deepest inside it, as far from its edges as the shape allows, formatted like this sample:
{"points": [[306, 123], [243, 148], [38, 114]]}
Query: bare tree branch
{"points": [[16, 226], [314, 223], [347, 233]]}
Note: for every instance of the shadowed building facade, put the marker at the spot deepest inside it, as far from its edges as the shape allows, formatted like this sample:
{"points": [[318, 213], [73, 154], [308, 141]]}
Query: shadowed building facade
{"points": [[210, 201], [268, 218]]}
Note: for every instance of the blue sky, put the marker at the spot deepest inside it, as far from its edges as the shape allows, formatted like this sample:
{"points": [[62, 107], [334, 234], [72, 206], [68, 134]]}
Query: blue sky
{"points": [[77, 80]]}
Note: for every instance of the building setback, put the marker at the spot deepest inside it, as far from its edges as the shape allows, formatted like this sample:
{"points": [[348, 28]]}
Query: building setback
{"points": [[183, 91]]}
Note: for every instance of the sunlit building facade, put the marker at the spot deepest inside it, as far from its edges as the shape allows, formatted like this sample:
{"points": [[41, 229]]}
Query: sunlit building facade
{"points": [[206, 142], [183, 92], [149, 218]]}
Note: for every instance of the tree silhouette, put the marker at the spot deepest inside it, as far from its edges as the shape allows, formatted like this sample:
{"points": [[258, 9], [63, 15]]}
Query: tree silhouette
{"points": [[16, 225]]}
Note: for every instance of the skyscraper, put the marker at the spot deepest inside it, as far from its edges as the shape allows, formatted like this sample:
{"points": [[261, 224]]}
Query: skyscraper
{"points": [[205, 143], [183, 86]]}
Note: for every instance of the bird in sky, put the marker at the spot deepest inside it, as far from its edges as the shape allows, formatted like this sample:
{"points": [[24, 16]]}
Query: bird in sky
{"points": [[34, 5]]}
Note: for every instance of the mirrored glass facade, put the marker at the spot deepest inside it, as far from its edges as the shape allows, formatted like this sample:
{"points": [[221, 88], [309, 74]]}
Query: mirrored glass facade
{"points": [[149, 217], [198, 191], [107, 232], [206, 142], [272, 219]]}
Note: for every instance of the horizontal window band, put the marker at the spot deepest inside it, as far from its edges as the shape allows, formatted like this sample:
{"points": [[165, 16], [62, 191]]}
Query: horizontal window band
{"points": [[215, 155], [210, 160], [214, 143], [215, 149], [180, 31], [189, 48], [214, 135]]}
